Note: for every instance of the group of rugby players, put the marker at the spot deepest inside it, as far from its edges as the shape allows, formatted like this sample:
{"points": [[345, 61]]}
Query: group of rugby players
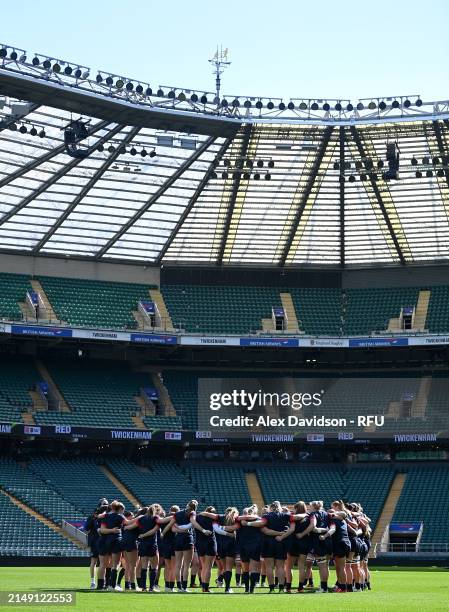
{"points": [[263, 549]]}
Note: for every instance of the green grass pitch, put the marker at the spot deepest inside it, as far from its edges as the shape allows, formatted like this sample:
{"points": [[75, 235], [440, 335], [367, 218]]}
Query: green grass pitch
{"points": [[394, 589]]}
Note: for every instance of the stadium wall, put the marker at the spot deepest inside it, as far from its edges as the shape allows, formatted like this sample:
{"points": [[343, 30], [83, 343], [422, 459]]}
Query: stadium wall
{"points": [[75, 268]]}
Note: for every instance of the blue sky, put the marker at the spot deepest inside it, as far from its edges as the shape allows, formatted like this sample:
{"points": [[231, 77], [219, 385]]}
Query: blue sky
{"points": [[277, 48]]}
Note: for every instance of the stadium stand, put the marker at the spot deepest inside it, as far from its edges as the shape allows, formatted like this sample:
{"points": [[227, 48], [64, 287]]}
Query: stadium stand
{"points": [[220, 486], [94, 303], [424, 493], [370, 309], [225, 309], [159, 480], [86, 484], [25, 535], [318, 310], [99, 393], [327, 482], [35, 492], [17, 377], [13, 288], [220, 309]]}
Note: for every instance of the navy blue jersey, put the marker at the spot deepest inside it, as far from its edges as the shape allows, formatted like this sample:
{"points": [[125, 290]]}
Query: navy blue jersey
{"points": [[183, 517], [111, 520], [206, 523], [130, 535], [248, 535], [146, 523], [341, 530], [322, 519], [278, 521], [301, 526], [91, 527]]}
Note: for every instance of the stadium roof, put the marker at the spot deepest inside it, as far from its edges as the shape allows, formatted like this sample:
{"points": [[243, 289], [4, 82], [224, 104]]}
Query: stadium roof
{"points": [[229, 183]]}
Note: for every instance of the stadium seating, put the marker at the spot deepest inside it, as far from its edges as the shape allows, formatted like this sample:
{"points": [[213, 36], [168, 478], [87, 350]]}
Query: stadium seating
{"points": [[24, 535], [13, 289], [94, 303], [220, 309], [35, 492], [17, 377], [438, 311], [424, 498], [79, 481], [368, 310], [318, 310], [360, 483], [220, 486], [158, 481], [227, 309], [99, 393]]}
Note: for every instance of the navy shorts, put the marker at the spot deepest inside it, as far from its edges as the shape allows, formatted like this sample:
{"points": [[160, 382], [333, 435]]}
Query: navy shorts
{"points": [[94, 550], [183, 542], [129, 545], [147, 549], [342, 548], [206, 547], [249, 552], [272, 549], [356, 546], [109, 546], [167, 548], [364, 551], [321, 548], [226, 547], [298, 547]]}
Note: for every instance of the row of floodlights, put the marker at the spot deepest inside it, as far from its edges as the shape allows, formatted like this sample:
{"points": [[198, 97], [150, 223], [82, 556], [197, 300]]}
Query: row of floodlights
{"points": [[122, 150], [121, 83], [27, 129], [249, 163], [434, 160]]}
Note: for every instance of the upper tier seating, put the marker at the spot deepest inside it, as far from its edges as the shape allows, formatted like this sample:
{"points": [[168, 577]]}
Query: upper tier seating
{"points": [[369, 310], [13, 289], [94, 303], [220, 309]]}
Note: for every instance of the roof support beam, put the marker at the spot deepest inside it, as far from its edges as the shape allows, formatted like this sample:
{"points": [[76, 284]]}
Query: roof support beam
{"points": [[375, 188], [235, 189], [85, 190], [55, 177], [342, 197], [193, 199], [45, 158], [162, 189], [305, 196]]}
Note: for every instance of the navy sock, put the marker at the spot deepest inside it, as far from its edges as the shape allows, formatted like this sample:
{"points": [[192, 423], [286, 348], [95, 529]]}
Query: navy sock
{"points": [[113, 579], [227, 579], [143, 578], [253, 580], [120, 575], [152, 572], [100, 583], [245, 580], [108, 577]]}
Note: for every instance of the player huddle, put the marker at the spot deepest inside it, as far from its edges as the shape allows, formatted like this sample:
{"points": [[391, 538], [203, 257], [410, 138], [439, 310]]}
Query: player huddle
{"points": [[263, 548]]}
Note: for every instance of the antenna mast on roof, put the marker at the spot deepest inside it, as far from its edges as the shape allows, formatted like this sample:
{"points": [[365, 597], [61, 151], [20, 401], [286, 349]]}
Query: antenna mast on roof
{"points": [[219, 62]]}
